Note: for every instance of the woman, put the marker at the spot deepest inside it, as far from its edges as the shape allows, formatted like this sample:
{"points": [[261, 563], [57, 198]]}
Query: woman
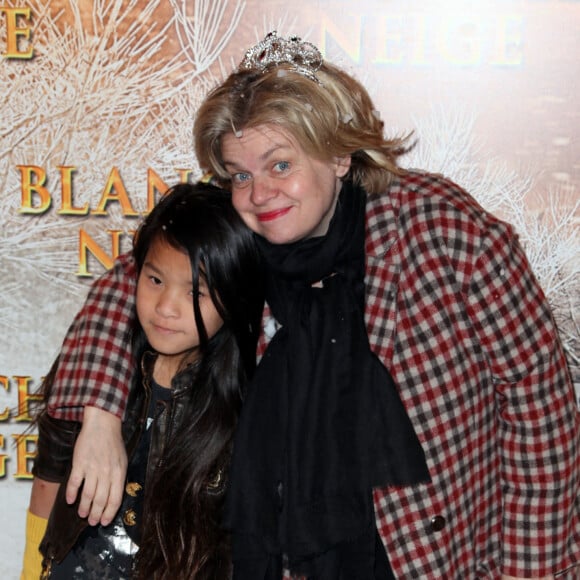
{"points": [[451, 310]]}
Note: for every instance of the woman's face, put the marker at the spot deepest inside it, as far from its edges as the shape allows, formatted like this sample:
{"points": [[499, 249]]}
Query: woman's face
{"points": [[165, 303], [280, 192]]}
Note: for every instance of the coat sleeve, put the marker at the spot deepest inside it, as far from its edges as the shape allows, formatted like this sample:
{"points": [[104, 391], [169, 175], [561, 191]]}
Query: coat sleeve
{"points": [[95, 363], [56, 439], [538, 420]]}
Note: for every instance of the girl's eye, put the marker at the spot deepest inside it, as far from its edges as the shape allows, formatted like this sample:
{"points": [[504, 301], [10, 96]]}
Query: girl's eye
{"points": [[201, 292], [281, 166], [155, 280]]}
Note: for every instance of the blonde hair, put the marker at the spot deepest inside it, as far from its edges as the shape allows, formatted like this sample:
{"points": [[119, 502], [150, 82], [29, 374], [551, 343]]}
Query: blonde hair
{"points": [[333, 118]]}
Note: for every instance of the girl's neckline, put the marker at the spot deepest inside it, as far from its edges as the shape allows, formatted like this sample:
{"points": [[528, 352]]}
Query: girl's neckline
{"points": [[165, 370]]}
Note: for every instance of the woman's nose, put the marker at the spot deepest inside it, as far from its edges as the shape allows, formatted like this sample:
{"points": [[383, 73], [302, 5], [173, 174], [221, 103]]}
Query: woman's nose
{"points": [[263, 190]]}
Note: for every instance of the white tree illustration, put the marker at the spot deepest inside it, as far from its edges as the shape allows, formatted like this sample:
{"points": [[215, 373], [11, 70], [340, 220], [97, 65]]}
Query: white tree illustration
{"points": [[104, 90]]}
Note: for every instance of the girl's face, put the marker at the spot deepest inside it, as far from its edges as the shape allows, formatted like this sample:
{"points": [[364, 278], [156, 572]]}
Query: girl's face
{"points": [[279, 191], [165, 304]]}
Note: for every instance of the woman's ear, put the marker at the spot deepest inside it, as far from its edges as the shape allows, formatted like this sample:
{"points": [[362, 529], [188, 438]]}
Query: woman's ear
{"points": [[342, 165]]}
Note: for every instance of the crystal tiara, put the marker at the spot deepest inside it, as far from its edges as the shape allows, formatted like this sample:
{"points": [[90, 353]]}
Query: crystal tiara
{"points": [[303, 57]]}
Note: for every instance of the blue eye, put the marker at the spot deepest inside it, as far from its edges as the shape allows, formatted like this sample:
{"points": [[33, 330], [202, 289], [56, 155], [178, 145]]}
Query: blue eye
{"points": [[240, 178], [282, 166]]}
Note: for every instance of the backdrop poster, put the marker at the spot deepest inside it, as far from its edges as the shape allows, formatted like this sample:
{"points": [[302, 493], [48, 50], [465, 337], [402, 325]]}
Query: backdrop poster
{"points": [[97, 104]]}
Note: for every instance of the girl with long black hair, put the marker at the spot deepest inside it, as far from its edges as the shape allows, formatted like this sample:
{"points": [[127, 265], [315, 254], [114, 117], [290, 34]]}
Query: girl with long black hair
{"points": [[198, 304]]}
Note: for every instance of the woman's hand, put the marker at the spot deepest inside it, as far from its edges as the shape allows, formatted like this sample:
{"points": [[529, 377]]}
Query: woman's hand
{"points": [[100, 461]]}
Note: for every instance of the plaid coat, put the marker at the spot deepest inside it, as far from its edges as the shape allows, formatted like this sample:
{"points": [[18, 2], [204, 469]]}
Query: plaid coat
{"points": [[455, 314]]}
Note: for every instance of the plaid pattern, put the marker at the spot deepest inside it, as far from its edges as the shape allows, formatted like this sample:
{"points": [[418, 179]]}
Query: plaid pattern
{"points": [[95, 363], [455, 313]]}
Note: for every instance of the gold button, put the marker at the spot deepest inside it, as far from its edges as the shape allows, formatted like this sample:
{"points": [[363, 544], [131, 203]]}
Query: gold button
{"points": [[130, 518], [133, 488], [215, 482]]}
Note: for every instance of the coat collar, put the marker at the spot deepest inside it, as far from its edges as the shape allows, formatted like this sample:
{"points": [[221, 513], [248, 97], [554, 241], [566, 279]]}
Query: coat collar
{"points": [[180, 383]]}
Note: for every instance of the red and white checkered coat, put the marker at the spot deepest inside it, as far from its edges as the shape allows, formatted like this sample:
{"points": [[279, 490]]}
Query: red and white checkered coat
{"points": [[454, 312]]}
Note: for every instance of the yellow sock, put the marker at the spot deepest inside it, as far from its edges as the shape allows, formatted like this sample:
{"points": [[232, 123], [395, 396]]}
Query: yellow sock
{"points": [[32, 562]]}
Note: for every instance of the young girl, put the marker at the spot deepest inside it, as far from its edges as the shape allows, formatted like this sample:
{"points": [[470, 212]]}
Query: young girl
{"points": [[198, 304]]}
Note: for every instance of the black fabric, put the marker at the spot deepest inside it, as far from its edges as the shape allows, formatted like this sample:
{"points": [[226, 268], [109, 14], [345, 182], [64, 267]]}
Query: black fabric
{"points": [[92, 557], [322, 423], [139, 463], [104, 551], [56, 439]]}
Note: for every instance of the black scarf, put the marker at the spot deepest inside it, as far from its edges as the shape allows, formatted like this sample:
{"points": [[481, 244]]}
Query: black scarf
{"points": [[322, 423]]}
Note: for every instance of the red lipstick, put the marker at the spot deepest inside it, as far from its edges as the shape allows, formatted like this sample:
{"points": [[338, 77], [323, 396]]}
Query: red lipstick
{"points": [[272, 215]]}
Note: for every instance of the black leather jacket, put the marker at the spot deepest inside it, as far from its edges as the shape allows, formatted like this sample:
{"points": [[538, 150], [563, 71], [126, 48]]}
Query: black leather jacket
{"points": [[55, 450]]}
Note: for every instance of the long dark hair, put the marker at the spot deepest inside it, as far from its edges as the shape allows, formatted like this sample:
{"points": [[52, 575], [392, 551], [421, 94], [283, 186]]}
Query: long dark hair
{"points": [[182, 537]]}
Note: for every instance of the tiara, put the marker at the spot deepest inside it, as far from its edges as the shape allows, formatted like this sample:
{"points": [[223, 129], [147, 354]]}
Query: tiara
{"points": [[303, 57]]}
